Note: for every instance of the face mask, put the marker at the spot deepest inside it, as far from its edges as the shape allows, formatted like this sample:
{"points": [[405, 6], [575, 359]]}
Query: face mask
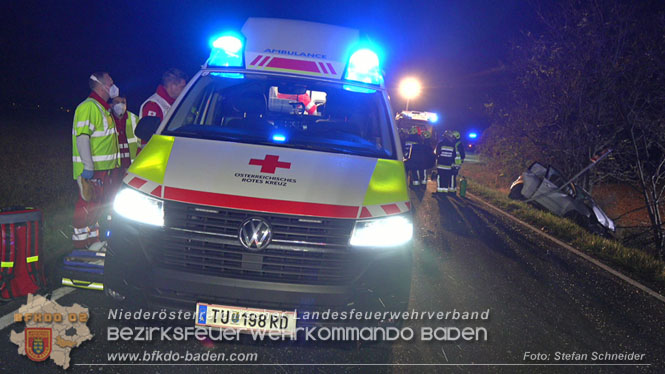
{"points": [[119, 109], [113, 91]]}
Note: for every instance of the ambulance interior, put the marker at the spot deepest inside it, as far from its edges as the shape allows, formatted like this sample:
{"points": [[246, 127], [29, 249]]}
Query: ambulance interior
{"points": [[288, 112]]}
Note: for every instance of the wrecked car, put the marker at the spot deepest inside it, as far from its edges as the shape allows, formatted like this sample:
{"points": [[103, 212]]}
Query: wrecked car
{"points": [[547, 188]]}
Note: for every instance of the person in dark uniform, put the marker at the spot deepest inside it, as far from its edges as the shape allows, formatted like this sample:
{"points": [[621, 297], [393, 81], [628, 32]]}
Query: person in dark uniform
{"points": [[460, 154], [411, 157], [445, 159], [420, 161]]}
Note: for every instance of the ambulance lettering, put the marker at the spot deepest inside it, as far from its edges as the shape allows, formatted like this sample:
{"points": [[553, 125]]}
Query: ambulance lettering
{"points": [[295, 53]]}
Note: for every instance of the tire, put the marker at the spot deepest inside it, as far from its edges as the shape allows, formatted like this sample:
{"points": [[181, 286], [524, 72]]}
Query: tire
{"points": [[578, 219], [516, 192], [596, 228], [590, 224]]}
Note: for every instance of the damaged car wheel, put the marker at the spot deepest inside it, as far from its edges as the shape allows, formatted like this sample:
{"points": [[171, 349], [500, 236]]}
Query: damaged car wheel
{"points": [[516, 192]]}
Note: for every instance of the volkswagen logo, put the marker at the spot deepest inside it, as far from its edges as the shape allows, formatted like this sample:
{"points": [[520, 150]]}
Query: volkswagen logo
{"points": [[255, 234]]}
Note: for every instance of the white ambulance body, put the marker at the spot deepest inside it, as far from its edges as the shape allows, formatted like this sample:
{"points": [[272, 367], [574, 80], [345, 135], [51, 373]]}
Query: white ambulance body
{"points": [[274, 184]]}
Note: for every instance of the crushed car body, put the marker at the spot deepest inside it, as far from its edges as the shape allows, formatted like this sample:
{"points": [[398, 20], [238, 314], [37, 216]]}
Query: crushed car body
{"points": [[546, 187]]}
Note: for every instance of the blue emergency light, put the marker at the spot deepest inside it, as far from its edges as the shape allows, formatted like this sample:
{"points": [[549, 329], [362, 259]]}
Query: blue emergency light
{"points": [[226, 51], [363, 67], [433, 117], [280, 138], [473, 135]]}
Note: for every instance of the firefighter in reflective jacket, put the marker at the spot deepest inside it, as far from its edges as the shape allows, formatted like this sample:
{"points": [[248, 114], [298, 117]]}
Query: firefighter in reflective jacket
{"points": [[410, 139], [417, 159], [460, 155], [449, 157]]}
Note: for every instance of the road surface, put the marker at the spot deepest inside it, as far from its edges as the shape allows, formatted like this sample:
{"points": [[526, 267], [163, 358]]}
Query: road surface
{"points": [[544, 303]]}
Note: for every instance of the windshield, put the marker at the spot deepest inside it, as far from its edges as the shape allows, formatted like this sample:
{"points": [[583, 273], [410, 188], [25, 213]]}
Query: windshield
{"points": [[285, 112]]}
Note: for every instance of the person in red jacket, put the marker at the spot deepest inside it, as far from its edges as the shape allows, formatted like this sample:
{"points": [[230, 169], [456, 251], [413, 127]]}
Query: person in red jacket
{"points": [[125, 124], [157, 105]]}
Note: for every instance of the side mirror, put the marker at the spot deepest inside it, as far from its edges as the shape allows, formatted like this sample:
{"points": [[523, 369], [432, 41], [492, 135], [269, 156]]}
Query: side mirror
{"points": [[146, 127]]}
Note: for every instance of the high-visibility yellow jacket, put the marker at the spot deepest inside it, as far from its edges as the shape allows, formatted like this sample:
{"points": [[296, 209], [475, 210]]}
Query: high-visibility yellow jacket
{"points": [[93, 119]]}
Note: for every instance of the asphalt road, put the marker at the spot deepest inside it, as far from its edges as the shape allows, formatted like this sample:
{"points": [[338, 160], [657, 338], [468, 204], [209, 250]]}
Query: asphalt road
{"points": [[541, 299]]}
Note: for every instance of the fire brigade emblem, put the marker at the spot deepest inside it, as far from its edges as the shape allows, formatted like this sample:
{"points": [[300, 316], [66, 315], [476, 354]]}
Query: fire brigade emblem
{"points": [[38, 343]]}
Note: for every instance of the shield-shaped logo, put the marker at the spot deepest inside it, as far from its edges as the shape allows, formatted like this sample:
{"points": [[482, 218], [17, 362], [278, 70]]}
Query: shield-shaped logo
{"points": [[38, 343], [235, 318]]}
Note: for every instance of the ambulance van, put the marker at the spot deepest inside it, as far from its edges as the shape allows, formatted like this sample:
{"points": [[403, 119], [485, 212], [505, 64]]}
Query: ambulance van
{"points": [[274, 185]]}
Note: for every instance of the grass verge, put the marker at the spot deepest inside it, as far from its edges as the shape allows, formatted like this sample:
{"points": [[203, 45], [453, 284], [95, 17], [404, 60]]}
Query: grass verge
{"points": [[35, 151], [632, 261]]}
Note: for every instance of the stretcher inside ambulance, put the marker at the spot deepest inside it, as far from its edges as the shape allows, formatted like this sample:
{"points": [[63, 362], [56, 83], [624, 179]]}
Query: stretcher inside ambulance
{"points": [[274, 186], [271, 111]]}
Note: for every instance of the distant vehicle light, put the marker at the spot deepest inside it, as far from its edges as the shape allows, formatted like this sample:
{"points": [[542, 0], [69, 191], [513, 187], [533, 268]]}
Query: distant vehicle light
{"points": [[364, 67], [226, 51], [473, 135]]}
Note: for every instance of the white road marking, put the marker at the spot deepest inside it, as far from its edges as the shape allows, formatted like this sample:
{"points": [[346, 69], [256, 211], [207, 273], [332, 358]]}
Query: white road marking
{"points": [[8, 319], [619, 275]]}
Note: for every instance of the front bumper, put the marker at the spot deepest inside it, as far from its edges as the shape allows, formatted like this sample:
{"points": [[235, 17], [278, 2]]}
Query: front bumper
{"points": [[373, 280]]}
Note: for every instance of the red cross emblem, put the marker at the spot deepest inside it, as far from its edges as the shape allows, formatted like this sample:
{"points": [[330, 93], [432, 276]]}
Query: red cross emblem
{"points": [[270, 164]]}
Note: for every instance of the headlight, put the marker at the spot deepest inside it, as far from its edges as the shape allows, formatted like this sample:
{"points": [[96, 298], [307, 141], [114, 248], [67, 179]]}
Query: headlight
{"points": [[600, 216], [382, 232], [139, 207]]}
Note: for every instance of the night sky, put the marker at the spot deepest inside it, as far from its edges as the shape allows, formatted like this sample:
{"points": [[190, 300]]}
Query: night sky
{"points": [[49, 48]]}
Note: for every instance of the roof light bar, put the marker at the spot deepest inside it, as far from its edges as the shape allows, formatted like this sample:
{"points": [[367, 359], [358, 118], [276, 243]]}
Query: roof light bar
{"points": [[364, 67], [226, 52]]}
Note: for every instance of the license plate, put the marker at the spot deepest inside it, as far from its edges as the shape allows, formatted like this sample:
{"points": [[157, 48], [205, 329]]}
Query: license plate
{"points": [[246, 319]]}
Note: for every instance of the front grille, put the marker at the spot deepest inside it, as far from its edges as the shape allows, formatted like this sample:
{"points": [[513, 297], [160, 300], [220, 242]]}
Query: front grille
{"points": [[303, 250], [334, 232]]}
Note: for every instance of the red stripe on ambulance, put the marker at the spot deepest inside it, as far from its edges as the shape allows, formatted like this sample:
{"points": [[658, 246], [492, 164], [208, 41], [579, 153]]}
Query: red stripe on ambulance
{"points": [[288, 63], [256, 60], [260, 204], [157, 191], [332, 70], [391, 208], [137, 182], [265, 59], [376, 211]]}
